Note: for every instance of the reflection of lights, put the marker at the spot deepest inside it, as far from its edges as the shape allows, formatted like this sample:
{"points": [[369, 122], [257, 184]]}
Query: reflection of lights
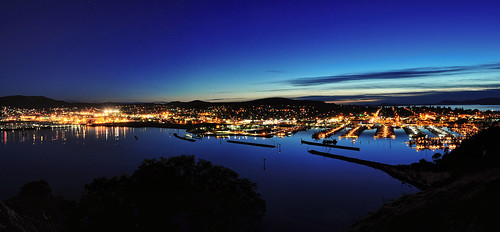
{"points": [[384, 132]]}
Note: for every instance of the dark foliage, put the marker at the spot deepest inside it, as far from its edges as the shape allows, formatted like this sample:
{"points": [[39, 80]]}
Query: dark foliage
{"points": [[479, 152], [174, 194]]}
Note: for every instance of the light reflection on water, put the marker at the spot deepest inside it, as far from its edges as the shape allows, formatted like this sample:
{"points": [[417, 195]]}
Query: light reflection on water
{"points": [[302, 191]]}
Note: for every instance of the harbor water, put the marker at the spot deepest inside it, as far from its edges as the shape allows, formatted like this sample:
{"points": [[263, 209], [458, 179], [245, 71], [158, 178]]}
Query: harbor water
{"points": [[302, 191]]}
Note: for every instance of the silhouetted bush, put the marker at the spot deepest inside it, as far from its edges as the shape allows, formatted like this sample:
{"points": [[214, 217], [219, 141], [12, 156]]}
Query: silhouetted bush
{"points": [[476, 153], [174, 194], [479, 152]]}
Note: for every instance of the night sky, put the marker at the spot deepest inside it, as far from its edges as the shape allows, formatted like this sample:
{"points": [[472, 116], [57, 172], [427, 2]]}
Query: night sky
{"points": [[340, 51]]}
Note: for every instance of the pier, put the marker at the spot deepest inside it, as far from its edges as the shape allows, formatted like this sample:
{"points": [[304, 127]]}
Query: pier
{"points": [[354, 132], [329, 145], [327, 133], [251, 144], [413, 132], [385, 131], [438, 131]]}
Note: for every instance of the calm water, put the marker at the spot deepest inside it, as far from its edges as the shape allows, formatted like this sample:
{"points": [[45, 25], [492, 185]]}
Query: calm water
{"points": [[303, 192]]}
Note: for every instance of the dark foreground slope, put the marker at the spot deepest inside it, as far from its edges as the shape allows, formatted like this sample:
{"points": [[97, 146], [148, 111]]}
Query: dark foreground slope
{"points": [[468, 200]]}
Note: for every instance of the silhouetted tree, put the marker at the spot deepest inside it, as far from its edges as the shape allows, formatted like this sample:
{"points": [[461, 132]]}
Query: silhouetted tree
{"points": [[476, 153], [174, 194]]}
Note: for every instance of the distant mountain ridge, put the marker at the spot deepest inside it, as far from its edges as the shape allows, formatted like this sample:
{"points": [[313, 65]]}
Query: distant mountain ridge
{"points": [[482, 101], [44, 102]]}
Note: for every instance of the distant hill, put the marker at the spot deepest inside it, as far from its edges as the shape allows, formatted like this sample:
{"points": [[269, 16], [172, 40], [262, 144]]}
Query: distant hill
{"points": [[191, 104], [279, 101], [482, 101], [44, 102], [274, 101], [31, 102]]}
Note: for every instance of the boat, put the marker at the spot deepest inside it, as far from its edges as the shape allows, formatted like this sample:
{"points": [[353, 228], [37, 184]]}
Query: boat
{"points": [[329, 145], [184, 138]]}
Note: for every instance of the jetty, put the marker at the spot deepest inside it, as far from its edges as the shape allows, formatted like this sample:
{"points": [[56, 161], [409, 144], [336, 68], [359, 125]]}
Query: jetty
{"points": [[329, 145], [401, 172], [184, 138], [252, 144]]}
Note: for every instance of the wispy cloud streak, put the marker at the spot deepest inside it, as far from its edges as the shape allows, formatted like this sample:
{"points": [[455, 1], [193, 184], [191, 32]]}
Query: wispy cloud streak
{"points": [[420, 86], [395, 74], [425, 97]]}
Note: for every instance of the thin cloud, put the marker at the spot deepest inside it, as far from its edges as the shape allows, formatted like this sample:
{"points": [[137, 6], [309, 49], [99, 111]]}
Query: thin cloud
{"points": [[425, 97], [418, 86], [396, 74]]}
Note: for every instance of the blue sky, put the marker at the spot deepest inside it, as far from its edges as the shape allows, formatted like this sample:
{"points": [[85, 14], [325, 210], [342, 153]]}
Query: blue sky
{"points": [[239, 50]]}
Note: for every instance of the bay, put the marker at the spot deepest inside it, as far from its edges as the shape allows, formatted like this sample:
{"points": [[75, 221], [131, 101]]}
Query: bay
{"points": [[302, 191]]}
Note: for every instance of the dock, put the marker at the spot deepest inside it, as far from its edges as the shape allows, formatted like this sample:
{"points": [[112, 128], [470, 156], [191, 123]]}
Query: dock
{"points": [[329, 145], [384, 131], [184, 138], [354, 132], [252, 144], [327, 133], [438, 131], [413, 132]]}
